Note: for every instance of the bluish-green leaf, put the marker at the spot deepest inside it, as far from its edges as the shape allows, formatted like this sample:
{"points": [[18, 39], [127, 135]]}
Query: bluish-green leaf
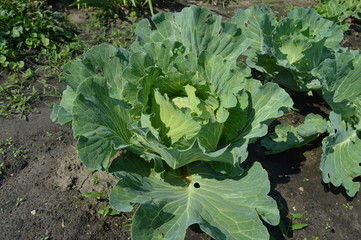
{"points": [[286, 136], [100, 123], [342, 82], [341, 162], [266, 103], [174, 200], [196, 29]]}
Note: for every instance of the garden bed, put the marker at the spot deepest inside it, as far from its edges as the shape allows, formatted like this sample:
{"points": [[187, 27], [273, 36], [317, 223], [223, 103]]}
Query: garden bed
{"points": [[42, 178]]}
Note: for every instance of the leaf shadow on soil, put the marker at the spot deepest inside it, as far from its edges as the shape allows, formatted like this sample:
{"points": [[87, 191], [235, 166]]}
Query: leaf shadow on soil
{"points": [[327, 187], [282, 166], [279, 167]]}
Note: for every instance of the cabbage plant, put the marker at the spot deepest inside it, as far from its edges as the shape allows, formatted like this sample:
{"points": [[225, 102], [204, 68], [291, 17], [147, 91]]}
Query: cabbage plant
{"points": [[302, 52], [339, 10], [289, 49], [340, 163], [172, 118]]}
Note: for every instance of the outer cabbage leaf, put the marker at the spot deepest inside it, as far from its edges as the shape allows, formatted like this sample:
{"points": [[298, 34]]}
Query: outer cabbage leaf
{"points": [[258, 24], [286, 136], [100, 62], [341, 162], [196, 29], [341, 78], [173, 200], [100, 123], [268, 102], [62, 112]]}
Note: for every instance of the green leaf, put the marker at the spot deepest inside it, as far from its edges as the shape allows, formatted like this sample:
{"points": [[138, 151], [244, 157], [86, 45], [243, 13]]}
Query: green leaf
{"points": [[93, 194], [196, 29], [299, 226], [257, 23], [340, 162], [296, 215], [45, 41], [62, 112], [100, 123], [223, 76], [266, 103], [175, 199], [2, 59], [101, 62], [232, 154], [312, 26], [108, 211], [286, 136], [341, 82], [17, 31], [176, 123], [339, 10]]}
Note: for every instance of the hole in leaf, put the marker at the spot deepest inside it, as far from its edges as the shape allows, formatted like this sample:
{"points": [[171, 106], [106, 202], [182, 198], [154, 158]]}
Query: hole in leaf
{"points": [[196, 185], [98, 70]]}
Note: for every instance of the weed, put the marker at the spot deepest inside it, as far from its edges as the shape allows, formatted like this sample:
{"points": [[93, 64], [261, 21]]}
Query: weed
{"points": [[46, 237], [28, 27], [49, 90], [10, 146], [96, 180], [19, 201], [115, 8], [328, 226], [348, 206], [108, 211], [128, 223], [94, 195], [1, 166], [20, 152], [48, 134], [112, 31], [297, 226], [16, 97], [3, 151], [9, 142], [296, 216]]}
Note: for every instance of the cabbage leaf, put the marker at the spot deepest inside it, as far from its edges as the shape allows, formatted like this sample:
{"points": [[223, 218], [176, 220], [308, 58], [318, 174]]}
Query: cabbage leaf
{"points": [[174, 200], [286, 136]]}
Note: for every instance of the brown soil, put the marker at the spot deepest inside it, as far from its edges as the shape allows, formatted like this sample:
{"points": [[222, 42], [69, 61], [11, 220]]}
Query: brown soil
{"points": [[50, 178]]}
